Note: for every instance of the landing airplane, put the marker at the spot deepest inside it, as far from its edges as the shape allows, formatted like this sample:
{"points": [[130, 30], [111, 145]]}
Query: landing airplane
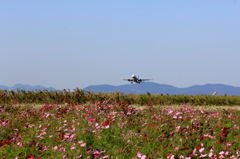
{"points": [[136, 79]]}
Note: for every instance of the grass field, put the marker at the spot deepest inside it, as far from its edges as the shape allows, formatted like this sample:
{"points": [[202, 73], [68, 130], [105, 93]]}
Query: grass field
{"points": [[206, 107], [118, 130], [79, 96]]}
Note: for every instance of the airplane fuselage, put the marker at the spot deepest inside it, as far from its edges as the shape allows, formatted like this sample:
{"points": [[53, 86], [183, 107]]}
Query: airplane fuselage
{"points": [[136, 79]]}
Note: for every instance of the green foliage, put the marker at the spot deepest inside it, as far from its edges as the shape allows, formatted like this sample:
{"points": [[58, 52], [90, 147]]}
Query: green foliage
{"points": [[79, 96]]}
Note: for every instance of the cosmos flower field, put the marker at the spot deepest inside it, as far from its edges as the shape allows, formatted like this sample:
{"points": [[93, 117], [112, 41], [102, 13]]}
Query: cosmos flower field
{"points": [[118, 130]]}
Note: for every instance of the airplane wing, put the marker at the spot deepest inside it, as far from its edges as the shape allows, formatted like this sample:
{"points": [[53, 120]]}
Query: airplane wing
{"points": [[128, 79], [145, 79]]}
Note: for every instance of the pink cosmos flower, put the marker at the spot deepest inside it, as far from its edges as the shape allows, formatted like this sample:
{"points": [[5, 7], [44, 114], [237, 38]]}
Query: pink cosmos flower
{"points": [[203, 155], [221, 153], [170, 112], [92, 119], [80, 142], [210, 154], [19, 144], [178, 113], [141, 156], [121, 150], [83, 145], [201, 150], [170, 156], [63, 149], [96, 154], [107, 156], [55, 148], [195, 152]]}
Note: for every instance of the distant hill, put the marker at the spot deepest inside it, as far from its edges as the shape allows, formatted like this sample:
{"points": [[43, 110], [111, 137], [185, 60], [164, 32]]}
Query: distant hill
{"points": [[145, 87], [26, 87], [156, 88]]}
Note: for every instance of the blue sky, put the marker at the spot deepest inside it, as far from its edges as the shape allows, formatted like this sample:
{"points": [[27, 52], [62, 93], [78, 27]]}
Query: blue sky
{"points": [[69, 44]]}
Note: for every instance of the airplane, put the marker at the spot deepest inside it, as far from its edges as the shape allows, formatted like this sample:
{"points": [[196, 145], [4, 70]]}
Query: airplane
{"points": [[136, 79]]}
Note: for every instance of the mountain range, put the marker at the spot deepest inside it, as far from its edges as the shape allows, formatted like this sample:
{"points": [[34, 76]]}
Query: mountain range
{"points": [[156, 88], [26, 87], [144, 87]]}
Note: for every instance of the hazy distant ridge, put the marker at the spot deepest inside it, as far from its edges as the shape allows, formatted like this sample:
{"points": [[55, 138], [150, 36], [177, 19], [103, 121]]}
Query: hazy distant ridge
{"points": [[26, 87], [144, 87], [164, 89]]}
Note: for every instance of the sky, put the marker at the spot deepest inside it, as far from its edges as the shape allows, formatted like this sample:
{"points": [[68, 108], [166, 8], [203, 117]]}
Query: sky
{"points": [[78, 43]]}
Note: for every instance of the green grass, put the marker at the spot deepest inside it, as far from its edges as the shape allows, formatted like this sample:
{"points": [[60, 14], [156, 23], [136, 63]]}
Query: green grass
{"points": [[79, 96], [205, 107]]}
